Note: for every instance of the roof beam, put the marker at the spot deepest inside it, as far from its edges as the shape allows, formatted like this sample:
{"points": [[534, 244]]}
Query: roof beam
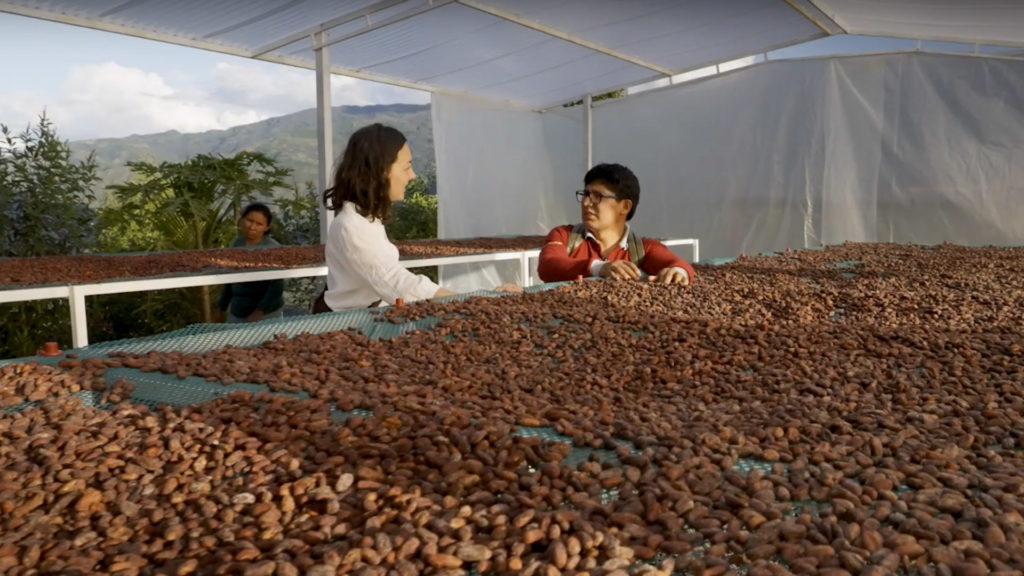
{"points": [[326, 25], [210, 46], [98, 24], [556, 33], [427, 7], [119, 7], [809, 10], [341, 70], [253, 19]]}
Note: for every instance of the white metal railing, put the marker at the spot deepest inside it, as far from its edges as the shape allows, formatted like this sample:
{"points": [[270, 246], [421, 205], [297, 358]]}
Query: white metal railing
{"points": [[684, 242], [76, 293]]}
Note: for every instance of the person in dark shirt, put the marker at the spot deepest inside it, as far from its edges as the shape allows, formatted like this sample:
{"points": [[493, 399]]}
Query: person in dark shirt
{"points": [[253, 301]]}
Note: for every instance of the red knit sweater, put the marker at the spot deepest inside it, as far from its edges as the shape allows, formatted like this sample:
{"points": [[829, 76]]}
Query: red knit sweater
{"points": [[557, 266]]}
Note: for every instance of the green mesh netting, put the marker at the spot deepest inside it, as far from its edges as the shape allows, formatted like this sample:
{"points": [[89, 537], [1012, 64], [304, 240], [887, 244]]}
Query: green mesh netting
{"points": [[577, 454], [747, 465], [199, 338]]}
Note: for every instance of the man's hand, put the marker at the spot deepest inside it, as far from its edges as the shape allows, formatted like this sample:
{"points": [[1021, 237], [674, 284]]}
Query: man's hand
{"points": [[256, 316], [671, 276], [620, 270], [513, 288]]}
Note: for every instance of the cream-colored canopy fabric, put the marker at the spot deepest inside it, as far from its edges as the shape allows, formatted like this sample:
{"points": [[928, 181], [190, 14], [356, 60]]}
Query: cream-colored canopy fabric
{"points": [[528, 53]]}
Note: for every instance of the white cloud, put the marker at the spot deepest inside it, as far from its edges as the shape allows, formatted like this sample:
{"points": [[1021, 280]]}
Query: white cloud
{"points": [[283, 89], [111, 100]]}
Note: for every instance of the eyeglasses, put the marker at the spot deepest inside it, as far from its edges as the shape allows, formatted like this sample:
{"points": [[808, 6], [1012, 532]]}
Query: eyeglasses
{"points": [[594, 196]]}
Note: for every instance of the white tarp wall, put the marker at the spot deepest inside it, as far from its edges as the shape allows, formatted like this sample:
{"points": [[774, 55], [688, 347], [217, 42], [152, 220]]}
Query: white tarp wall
{"points": [[502, 172], [900, 147], [889, 148]]}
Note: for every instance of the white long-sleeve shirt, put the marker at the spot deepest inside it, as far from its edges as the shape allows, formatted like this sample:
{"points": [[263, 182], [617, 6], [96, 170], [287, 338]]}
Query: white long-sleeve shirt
{"points": [[362, 265]]}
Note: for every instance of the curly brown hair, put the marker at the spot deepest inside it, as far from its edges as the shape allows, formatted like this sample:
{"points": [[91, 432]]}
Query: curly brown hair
{"points": [[362, 175]]}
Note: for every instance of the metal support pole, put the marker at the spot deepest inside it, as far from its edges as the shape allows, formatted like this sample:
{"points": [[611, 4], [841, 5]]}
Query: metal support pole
{"points": [[524, 270], [79, 321], [324, 124], [588, 132]]}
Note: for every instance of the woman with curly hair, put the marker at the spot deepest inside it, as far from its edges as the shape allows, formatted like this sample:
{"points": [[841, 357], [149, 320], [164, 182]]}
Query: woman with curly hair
{"points": [[362, 264]]}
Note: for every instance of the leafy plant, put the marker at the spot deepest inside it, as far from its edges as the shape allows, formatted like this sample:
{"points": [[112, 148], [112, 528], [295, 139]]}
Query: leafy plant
{"points": [[193, 204], [606, 96], [188, 205], [297, 223], [44, 195], [297, 217], [44, 210], [415, 218]]}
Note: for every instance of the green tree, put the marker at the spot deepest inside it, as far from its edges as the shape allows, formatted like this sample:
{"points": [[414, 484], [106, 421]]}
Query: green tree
{"points": [[297, 217], [190, 205], [297, 223], [606, 96], [44, 196], [415, 218], [44, 210]]}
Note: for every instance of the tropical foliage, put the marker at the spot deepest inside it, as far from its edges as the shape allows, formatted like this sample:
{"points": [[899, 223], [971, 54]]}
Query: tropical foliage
{"points": [[44, 195], [167, 206], [44, 210]]}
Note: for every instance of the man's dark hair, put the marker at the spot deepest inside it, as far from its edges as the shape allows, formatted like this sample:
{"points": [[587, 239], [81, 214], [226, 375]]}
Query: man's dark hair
{"points": [[619, 180], [261, 208], [362, 175]]}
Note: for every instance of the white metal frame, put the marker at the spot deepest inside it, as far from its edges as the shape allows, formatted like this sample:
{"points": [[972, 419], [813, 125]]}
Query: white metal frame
{"points": [[562, 35], [76, 293], [686, 242]]}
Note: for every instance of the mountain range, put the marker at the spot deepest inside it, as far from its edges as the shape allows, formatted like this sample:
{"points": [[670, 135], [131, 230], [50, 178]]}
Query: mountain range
{"points": [[289, 139]]}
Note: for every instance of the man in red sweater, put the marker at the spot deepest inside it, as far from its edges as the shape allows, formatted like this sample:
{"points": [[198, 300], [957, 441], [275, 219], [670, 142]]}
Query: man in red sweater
{"points": [[603, 245]]}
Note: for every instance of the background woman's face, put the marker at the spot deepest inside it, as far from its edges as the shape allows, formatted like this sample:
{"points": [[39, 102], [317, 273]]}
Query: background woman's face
{"points": [[401, 173], [254, 226]]}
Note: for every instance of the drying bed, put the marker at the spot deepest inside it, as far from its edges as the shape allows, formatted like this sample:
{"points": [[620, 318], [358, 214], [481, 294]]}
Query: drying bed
{"points": [[851, 410], [90, 268]]}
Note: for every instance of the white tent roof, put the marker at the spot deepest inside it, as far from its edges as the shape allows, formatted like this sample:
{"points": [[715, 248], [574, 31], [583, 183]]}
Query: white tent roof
{"points": [[976, 22], [534, 53]]}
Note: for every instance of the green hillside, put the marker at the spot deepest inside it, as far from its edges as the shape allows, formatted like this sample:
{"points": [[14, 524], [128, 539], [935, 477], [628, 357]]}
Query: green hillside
{"points": [[290, 139]]}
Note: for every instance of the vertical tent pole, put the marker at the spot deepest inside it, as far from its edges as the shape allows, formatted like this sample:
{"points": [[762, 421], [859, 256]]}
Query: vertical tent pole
{"points": [[324, 124], [524, 269], [588, 133]]}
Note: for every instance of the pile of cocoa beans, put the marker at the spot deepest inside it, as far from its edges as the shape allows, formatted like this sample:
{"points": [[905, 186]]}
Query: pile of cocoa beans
{"points": [[86, 268], [852, 410]]}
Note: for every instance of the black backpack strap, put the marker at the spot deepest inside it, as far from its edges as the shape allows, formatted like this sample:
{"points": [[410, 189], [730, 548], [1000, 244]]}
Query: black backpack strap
{"points": [[576, 236]]}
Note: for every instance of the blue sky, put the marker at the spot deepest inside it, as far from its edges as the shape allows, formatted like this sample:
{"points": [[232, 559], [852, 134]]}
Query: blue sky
{"points": [[96, 84]]}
